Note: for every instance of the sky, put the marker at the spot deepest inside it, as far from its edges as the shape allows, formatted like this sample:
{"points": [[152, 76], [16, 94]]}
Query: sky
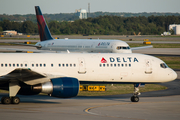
{"points": [[11, 7]]}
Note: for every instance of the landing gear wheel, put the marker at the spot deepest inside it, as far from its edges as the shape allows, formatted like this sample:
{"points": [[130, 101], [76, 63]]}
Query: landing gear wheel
{"points": [[6, 100], [15, 100], [134, 99], [2, 100]]}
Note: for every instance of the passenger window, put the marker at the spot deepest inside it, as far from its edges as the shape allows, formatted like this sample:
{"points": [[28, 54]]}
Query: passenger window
{"points": [[40, 65], [107, 65], [66, 65], [126, 65], [9, 65], [119, 65], [17, 65], [122, 65], [25, 65], [32, 65], [36, 65], [63, 65], [114, 65], [74, 65], [14, 65], [5, 65], [129, 65], [21, 65], [1, 65], [59, 65], [51, 65], [111, 65], [100, 65], [44, 65], [70, 65], [104, 65]]}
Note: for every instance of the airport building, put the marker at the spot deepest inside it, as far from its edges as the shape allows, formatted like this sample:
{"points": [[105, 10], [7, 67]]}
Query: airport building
{"points": [[10, 32], [175, 28], [82, 13]]}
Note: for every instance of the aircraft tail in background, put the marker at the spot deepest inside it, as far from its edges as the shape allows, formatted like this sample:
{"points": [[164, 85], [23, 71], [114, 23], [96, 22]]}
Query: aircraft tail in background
{"points": [[44, 32]]}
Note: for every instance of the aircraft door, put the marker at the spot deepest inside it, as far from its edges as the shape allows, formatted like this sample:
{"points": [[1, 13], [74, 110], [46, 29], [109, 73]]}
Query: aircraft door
{"points": [[82, 66], [148, 66]]}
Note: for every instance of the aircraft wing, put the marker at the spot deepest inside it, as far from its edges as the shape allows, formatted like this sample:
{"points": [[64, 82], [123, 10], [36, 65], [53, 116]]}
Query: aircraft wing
{"points": [[30, 45], [28, 76], [40, 51], [23, 75], [143, 47], [25, 50]]}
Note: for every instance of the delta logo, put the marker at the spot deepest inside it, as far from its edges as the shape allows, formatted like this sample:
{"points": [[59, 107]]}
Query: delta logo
{"points": [[120, 59], [104, 43], [103, 60]]}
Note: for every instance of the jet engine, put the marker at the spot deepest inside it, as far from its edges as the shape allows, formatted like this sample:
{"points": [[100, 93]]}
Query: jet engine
{"points": [[65, 87]]}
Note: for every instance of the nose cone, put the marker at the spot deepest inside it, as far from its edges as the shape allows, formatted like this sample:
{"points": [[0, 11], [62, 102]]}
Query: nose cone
{"points": [[174, 75]]}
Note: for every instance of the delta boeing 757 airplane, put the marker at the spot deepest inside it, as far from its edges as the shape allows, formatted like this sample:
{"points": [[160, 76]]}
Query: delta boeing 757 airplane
{"points": [[59, 74], [49, 44]]}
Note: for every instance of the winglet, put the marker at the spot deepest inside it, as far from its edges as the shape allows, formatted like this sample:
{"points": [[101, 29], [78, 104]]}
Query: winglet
{"points": [[44, 32]]}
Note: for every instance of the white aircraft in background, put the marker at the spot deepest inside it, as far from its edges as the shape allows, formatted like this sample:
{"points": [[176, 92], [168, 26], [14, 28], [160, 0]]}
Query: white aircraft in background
{"points": [[59, 74], [49, 44]]}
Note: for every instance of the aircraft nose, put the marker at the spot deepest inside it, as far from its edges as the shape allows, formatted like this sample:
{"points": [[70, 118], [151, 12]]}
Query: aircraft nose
{"points": [[174, 75]]}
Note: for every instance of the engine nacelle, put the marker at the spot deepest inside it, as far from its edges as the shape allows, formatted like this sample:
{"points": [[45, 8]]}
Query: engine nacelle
{"points": [[65, 87]]}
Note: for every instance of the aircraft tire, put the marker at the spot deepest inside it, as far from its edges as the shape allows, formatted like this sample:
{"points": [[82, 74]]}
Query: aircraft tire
{"points": [[6, 100], [134, 99], [2, 100], [15, 100]]}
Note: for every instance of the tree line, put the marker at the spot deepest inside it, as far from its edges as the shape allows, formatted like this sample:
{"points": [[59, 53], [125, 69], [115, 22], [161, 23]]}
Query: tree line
{"points": [[72, 16], [102, 25]]}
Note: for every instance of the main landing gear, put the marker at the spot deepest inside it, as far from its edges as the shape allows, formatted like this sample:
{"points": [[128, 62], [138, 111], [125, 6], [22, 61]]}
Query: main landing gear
{"points": [[13, 90], [10, 100], [135, 97]]}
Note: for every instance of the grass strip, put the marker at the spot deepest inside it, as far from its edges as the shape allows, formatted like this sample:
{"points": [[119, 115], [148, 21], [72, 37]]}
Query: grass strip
{"points": [[117, 89]]}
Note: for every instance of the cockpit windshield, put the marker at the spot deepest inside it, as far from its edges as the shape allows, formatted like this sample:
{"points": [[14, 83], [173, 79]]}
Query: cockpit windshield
{"points": [[163, 65], [123, 47]]}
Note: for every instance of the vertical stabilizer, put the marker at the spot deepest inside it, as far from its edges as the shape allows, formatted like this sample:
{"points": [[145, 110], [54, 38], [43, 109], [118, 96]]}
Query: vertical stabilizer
{"points": [[44, 32]]}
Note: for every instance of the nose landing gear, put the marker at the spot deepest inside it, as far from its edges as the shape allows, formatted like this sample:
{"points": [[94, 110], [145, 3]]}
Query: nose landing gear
{"points": [[135, 97]]}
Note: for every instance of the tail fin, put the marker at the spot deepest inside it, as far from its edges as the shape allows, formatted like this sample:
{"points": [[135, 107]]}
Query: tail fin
{"points": [[44, 32]]}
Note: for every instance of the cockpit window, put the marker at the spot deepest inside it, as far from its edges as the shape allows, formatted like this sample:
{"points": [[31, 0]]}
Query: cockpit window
{"points": [[163, 65], [123, 47]]}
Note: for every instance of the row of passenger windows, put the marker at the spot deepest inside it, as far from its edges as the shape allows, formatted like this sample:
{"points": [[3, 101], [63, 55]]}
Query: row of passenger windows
{"points": [[115, 65], [63, 65], [36, 65]]}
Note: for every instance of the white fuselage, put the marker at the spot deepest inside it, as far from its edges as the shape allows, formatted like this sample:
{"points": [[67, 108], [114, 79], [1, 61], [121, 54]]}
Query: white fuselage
{"points": [[84, 45], [91, 67]]}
